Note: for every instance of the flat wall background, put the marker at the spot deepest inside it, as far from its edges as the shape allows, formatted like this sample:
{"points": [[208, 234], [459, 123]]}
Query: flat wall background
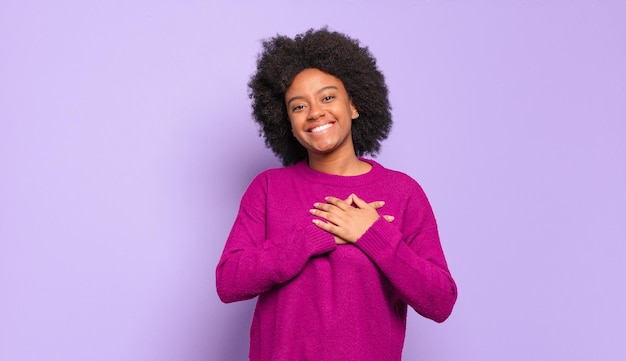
{"points": [[126, 142]]}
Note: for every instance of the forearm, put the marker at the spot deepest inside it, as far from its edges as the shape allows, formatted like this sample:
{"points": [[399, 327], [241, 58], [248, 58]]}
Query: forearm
{"points": [[249, 268], [418, 272]]}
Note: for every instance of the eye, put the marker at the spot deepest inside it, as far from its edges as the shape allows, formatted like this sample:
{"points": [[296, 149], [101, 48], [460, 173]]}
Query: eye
{"points": [[297, 108], [328, 98]]}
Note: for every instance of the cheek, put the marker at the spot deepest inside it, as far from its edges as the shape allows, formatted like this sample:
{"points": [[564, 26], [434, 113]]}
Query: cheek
{"points": [[295, 121]]}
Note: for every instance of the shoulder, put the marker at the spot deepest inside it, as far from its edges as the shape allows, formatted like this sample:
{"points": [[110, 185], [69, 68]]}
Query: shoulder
{"points": [[400, 185], [273, 175], [409, 194], [278, 173], [399, 179]]}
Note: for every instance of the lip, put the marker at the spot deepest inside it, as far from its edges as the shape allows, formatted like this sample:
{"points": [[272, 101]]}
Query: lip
{"points": [[329, 124]]}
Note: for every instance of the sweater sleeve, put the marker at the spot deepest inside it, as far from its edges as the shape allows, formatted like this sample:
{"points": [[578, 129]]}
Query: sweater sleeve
{"points": [[251, 263], [412, 259]]}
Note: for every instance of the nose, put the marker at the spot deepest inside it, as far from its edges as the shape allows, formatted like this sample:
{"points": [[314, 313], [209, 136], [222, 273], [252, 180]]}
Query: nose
{"points": [[315, 112]]}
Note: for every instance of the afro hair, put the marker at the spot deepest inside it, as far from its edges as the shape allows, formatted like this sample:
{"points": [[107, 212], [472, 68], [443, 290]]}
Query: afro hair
{"points": [[334, 53]]}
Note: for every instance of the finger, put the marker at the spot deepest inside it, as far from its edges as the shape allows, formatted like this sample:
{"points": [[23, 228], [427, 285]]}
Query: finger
{"points": [[359, 202], [323, 206], [328, 227], [340, 203], [389, 218], [377, 204], [331, 216], [327, 211], [340, 237]]}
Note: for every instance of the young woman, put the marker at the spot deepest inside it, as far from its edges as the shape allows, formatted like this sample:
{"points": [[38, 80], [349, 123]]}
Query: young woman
{"points": [[334, 245]]}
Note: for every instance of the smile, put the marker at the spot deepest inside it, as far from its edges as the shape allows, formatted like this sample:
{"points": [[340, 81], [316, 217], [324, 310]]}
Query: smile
{"points": [[321, 128]]}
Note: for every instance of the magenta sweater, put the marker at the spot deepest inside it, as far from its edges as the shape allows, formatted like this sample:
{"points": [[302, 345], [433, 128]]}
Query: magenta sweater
{"points": [[321, 301]]}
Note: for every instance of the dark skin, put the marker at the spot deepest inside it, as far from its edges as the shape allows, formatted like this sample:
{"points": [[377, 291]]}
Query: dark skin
{"points": [[321, 114], [347, 219]]}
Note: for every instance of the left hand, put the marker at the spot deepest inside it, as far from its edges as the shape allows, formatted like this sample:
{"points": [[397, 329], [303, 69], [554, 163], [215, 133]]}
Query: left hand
{"points": [[344, 220]]}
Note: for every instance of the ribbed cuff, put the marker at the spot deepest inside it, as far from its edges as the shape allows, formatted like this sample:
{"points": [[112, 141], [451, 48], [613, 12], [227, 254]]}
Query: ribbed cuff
{"points": [[380, 239], [318, 241]]}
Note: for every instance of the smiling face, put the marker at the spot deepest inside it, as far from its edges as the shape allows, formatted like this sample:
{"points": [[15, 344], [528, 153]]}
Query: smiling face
{"points": [[321, 113]]}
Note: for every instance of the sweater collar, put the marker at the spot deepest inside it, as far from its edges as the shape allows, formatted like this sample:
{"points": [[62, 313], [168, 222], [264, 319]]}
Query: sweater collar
{"points": [[303, 170]]}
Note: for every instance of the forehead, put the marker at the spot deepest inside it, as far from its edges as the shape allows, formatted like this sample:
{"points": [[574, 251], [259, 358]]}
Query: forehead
{"points": [[312, 80]]}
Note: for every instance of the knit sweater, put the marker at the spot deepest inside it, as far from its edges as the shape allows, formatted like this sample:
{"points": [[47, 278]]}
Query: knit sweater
{"points": [[321, 301]]}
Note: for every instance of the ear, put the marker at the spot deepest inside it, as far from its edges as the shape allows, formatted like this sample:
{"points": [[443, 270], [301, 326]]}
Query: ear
{"points": [[354, 112]]}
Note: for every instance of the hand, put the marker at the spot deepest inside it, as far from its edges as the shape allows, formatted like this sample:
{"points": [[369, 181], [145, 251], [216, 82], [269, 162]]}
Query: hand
{"points": [[347, 219], [380, 204]]}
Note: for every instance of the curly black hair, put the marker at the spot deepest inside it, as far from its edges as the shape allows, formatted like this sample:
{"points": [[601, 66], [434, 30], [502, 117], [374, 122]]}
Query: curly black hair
{"points": [[334, 53]]}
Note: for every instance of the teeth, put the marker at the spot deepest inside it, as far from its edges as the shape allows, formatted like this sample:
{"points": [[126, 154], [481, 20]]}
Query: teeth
{"points": [[321, 127]]}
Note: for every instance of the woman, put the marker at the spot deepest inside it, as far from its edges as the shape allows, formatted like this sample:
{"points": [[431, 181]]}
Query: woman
{"points": [[333, 276]]}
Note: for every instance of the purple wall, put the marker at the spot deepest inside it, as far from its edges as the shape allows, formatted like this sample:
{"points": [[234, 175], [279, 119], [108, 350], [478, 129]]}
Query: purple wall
{"points": [[126, 143]]}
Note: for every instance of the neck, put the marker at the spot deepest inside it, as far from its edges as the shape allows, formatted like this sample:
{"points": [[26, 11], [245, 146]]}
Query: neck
{"points": [[348, 165]]}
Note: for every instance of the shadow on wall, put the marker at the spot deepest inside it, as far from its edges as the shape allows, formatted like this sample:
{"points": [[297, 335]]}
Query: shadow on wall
{"points": [[241, 159], [233, 341]]}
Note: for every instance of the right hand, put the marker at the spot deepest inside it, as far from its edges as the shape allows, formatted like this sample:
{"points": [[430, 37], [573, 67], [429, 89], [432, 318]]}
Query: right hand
{"points": [[377, 205]]}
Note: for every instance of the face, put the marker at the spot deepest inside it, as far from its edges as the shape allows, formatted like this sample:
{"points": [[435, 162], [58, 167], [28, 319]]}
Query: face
{"points": [[321, 113]]}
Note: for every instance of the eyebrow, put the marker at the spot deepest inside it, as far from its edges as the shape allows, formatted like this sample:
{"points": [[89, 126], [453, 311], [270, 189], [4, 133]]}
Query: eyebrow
{"points": [[319, 91]]}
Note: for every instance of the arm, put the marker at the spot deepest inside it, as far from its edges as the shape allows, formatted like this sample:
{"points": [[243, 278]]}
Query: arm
{"points": [[411, 258], [251, 263]]}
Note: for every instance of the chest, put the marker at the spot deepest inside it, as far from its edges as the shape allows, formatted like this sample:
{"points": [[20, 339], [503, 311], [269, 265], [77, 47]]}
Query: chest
{"points": [[289, 205]]}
